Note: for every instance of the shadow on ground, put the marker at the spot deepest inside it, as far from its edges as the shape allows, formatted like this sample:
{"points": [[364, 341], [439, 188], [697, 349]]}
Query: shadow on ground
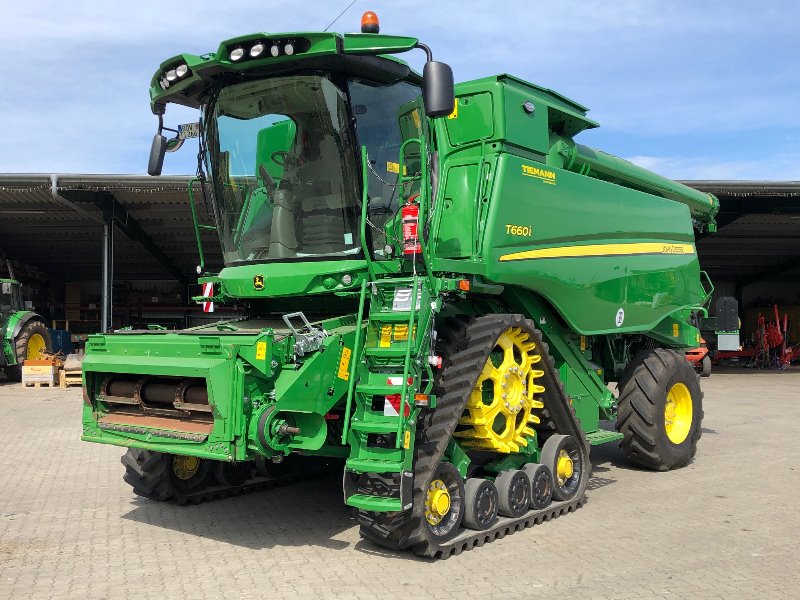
{"points": [[309, 513]]}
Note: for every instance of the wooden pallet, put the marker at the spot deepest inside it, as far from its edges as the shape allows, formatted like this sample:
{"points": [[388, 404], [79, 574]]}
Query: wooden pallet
{"points": [[68, 378], [39, 384]]}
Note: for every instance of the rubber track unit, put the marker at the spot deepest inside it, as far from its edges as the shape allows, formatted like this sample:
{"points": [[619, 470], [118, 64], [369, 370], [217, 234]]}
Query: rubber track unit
{"points": [[146, 472], [466, 346]]}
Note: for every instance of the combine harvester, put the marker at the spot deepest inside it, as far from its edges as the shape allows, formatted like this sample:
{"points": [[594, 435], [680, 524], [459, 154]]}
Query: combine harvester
{"points": [[440, 283]]}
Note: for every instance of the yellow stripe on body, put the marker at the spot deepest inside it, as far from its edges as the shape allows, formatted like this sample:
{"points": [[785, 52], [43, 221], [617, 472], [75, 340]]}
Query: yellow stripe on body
{"points": [[601, 250]]}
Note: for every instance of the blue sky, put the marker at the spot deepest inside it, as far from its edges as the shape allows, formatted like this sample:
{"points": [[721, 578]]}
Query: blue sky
{"points": [[704, 89]]}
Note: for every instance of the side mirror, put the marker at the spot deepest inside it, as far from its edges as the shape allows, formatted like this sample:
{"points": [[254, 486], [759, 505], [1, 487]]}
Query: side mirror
{"points": [[438, 93], [157, 151], [5, 288], [174, 144]]}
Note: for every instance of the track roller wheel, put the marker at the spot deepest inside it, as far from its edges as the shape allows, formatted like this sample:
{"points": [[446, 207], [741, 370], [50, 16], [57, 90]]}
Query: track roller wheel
{"points": [[660, 411], [232, 474], [541, 479], [444, 503], [561, 454], [480, 500], [513, 493]]}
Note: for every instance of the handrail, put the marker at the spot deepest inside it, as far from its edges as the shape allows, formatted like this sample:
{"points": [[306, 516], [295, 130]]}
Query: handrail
{"points": [[351, 384], [196, 224], [711, 291], [407, 361], [364, 201]]}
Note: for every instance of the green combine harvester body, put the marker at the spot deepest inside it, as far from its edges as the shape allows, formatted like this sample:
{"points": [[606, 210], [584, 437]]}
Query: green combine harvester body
{"points": [[440, 285]]}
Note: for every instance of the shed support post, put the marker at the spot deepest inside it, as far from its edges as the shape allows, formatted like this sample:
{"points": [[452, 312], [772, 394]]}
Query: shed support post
{"points": [[107, 316]]}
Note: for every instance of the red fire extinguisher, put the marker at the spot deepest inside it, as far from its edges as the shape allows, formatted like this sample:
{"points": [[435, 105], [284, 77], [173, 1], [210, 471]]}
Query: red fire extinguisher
{"points": [[410, 217]]}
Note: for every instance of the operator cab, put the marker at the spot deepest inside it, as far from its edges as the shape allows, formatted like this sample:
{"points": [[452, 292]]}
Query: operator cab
{"points": [[10, 298], [285, 164]]}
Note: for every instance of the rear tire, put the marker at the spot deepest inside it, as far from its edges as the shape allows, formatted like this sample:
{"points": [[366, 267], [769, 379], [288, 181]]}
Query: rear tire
{"points": [[660, 411], [705, 366]]}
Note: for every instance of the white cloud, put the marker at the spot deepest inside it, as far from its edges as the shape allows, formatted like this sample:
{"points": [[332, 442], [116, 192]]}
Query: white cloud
{"points": [[75, 74], [784, 167]]}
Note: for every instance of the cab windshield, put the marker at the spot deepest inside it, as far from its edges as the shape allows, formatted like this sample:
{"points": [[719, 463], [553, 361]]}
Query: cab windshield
{"points": [[283, 167]]}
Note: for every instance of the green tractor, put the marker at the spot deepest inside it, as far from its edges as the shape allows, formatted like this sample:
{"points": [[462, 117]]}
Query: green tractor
{"points": [[23, 333], [440, 285]]}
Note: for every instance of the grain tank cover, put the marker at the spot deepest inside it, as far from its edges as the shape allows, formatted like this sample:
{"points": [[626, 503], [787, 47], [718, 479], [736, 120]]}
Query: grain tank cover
{"points": [[507, 110], [565, 116]]}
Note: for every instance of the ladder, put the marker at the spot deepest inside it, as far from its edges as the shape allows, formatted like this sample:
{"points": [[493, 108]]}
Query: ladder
{"points": [[391, 381]]}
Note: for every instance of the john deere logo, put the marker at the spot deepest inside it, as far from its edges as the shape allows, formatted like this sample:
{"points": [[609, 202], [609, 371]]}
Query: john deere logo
{"points": [[258, 282]]}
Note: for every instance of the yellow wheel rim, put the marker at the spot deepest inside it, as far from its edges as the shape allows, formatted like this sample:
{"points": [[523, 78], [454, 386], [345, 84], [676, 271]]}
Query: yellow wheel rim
{"points": [[437, 502], [678, 413], [185, 467], [564, 467], [499, 412], [36, 345]]}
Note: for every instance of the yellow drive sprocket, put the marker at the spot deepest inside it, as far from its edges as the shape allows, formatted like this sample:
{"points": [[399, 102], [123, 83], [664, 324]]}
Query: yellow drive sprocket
{"points": [[499, 413]]}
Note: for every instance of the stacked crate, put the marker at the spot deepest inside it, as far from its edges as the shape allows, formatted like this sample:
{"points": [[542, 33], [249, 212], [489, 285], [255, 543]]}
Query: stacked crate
{"points": [[40, 372]]}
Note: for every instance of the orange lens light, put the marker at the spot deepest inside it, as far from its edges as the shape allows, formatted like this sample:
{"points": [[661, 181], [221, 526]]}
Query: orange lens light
{"points": [[370, 23], [463, 285]]}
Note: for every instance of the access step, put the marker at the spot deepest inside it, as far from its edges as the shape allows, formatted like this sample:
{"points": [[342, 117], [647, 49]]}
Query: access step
{"points": [[397, 316], [381, 384], [399, 351], [375, 503], [374, 426], [367, 465], [381, 390], [603, 436]]}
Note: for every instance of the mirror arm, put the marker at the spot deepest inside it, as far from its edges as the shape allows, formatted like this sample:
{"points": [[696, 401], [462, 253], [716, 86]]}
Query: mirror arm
{"points": [[427, 50], [162, 127]]}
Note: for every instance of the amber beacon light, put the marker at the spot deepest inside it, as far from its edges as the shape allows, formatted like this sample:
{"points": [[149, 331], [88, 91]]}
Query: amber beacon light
{"points": [[370, 23]]}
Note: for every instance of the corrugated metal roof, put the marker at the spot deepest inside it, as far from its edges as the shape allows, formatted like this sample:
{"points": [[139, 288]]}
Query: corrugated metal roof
{"points": [[760, 225], [66, 241], [746, 188], [759, 234]]}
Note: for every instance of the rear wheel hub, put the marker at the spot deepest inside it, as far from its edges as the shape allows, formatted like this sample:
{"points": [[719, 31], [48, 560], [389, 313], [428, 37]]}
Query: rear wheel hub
{"points": [[36, 345], [678, 413], [185, 467], [437, 504]]}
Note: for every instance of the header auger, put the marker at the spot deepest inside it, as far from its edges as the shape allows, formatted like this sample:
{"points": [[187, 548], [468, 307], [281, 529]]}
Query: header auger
{"points": [[439, 285]]}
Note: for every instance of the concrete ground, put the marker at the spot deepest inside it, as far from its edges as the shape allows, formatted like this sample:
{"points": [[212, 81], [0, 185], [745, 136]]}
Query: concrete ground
{"points": [[727, 526]]}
